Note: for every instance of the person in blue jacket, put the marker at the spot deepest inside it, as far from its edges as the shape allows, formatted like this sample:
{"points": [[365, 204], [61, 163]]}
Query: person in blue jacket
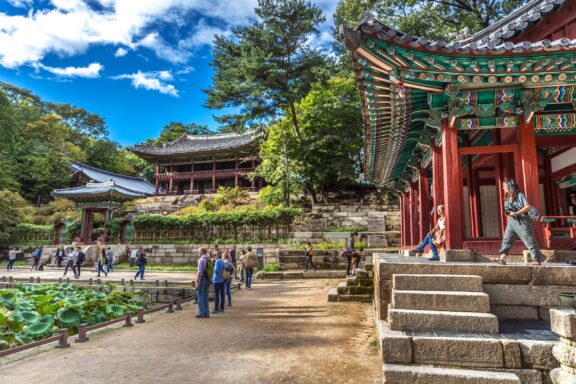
{"points": [[219, 282]]}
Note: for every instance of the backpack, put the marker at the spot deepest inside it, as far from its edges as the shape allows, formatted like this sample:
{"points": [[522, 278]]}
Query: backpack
{"points": [[209, 268], [228, 270], [81, 257], [533, 214]]}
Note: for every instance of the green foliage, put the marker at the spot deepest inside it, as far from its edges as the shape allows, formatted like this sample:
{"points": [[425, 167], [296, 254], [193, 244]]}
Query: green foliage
{"points": [[161, 267], [338, 245], [266, 216], [174, 130], [34, 312], [272, 267], [231, 197], [72, 229], [55, 210], [33, 228], [12, 212]]}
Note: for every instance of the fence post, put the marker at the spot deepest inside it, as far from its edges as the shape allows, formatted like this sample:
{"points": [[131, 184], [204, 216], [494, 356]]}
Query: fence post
{"points": [[90, 281], [178, 305], [82, 334], [170, 307], [140, 318], [157, 283], [31, 279], [38, 279], [4, 278], [63, 340], [59, 280], [67, 280], [98, 281], [131, 282], [128, 322], [9, 279], [122, 282]]}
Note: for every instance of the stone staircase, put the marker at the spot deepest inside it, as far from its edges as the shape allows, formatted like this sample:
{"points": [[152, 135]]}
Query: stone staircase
{"points": [[358, 288], [440, 330]]}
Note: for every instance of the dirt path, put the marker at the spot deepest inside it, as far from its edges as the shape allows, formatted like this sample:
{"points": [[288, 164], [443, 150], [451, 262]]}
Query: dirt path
{"points": [[279, 332]]}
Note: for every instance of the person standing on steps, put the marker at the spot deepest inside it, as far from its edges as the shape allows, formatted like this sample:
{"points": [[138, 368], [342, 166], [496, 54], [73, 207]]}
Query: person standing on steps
{"points": [[309, 253], [203, 279], [80, 257], [519, 225], [37, 254], [250, 262], [141, 263], [60, 254], [218, 280], [436, 237], [349, 250], [109, 260]]}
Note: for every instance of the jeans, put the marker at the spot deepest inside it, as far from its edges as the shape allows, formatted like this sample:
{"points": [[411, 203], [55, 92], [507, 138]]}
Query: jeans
{"points": [[522, 228], [309, 261], [203, 306], [242, 273], [348, 264], [428, 241], [219, 297], [76, 268], [227, 288], [109, 266], [10, 264], [249, 272], [36, 262], [59, 261], [101, 269], [141, 269], [69, 264], [132, 262]]}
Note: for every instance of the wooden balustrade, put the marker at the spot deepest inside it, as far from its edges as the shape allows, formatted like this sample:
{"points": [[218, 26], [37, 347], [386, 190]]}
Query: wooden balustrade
{"points": [[549, 230]]}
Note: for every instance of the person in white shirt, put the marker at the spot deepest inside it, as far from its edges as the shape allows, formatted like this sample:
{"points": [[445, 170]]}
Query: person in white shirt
{"points": [[133, 256], [436, 237], [71, 257], [12, 257]]}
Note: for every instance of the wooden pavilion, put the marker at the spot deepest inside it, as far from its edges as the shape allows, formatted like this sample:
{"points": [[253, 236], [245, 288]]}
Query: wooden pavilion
{"points": [[446, 123], [199, 164]]}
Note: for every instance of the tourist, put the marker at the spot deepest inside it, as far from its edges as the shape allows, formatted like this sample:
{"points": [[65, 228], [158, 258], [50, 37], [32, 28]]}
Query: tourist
{"points": [[60, 254], [36, 255], [309, 253], [102, 263], [519, 225], [12, 254], [250, 262], [71, 257], [218, 280], [216, 251], [349, 250], [80, 258], [572, 205], [229, 271], [241, 265], [140, 263], [436, 237], [109, 260], [203, 283], [133, 256], [233, 260]]}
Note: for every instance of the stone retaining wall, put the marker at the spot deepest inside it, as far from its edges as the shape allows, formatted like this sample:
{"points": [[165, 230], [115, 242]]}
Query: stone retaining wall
{"points": [[375, 219]]}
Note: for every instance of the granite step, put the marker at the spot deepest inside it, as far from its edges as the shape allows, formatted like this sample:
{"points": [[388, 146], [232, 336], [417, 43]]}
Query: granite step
{"points": [[342, 288], [441, 301], [359, 298], [333, 294], [415, 374], [425, 282], [439, 321]]}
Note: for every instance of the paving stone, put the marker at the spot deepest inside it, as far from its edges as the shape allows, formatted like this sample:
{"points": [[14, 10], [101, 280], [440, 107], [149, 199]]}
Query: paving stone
{"points": [[359, 298], [515, 312], [332, 294], [412, 374], [441, 301], [316, 275], [537, 354], [273, 275], [419, 282], [524, 295], [436, 321], [465, 352]]}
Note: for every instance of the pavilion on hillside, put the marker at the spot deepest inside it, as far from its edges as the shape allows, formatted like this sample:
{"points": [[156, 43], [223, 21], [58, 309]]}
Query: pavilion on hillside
{"points": [[446, 123], [98, 191], [199, 164]]}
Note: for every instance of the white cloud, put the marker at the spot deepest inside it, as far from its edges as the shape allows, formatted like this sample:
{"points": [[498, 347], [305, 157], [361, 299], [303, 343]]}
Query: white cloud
{"points": [[92, 71], [152, 81], [203, 34], [121, 52], [21, 3], [154, 42]]}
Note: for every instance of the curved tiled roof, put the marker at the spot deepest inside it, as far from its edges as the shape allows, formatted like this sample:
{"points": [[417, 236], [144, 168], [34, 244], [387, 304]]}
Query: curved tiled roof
{"points": [[491, 40], [136, 185], [193, 144], [93, 189]]}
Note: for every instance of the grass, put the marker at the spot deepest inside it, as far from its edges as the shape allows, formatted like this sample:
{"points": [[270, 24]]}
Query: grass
{"points": [[160, 267], [272, 267]]}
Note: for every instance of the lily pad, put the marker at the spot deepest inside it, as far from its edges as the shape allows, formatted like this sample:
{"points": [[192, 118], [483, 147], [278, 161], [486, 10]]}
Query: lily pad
{"points": [[38, 330], [115, 310], [69, 317], [23, 339], [74, 302], [27, 317]]}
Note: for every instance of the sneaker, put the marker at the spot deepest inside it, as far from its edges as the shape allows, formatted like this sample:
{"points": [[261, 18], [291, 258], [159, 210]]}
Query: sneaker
{"points": [[434, 258], [417, 250], [228, 305], [214, 312], [315, 270]]}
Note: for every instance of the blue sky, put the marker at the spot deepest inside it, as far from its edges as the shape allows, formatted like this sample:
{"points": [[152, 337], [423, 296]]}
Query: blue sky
{"points": [[138, 63]]}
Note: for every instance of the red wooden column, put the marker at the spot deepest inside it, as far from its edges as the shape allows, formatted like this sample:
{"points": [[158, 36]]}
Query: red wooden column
{"points": [[423, 207], [156, 178], [472, 198], [414, 219], [500, 173], [453, 193], [253, 179], [437, 180], [236, 172], [171, 177], [405, 218], [192, 176], [529, 166], [549, 197], [214, 176]]}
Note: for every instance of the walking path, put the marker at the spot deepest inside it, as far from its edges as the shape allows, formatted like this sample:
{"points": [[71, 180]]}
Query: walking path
{"points": [[278, 332]]}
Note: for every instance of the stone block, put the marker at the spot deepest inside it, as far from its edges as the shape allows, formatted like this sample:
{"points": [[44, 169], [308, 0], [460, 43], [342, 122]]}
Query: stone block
{"points": [[524, 295], [515, 312], [441, 301], [293, 275], [355, 290], [396, 348], [537, 354], [433, 375], [456, 255], [358, 298], [337, 274], [336, 235], [437, 321], [273, 275], [464, 352], [332, 294], [527, 376], [438, 283], [512, 355], [342, 288], [316, 275], [544, 313], [563, 322], [555, 275]]}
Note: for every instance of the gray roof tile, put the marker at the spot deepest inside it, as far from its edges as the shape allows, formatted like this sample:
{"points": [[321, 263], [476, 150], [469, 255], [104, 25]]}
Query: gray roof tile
{"points": [[135, 185]]}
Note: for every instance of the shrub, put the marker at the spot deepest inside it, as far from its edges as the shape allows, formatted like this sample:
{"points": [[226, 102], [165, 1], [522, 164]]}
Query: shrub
{"points": [[272, 267]]}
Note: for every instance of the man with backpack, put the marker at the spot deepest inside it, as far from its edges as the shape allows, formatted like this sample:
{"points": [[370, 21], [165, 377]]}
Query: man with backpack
{"points": [[37, 254], [250, 261], [205, 274], [79, 260]]}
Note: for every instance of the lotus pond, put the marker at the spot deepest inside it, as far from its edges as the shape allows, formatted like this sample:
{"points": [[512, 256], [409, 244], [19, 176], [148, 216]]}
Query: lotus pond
{"points": [[33, 312]]}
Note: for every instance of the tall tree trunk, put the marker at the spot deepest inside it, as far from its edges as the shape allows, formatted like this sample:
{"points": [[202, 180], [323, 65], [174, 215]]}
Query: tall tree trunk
{"points": [[312, 192], [294, 120], [286, 174]]}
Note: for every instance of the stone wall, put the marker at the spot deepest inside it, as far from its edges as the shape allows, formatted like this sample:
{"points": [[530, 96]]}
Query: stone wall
{"points": [[374, 219]]}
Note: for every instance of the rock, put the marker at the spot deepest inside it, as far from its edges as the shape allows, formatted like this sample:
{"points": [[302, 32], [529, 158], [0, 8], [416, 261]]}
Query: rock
{"points": [[465, 352], [563, 322], [332, 294]]}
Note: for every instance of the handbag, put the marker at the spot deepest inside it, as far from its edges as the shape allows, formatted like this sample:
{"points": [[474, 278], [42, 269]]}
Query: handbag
{"points": [[533, 214]]}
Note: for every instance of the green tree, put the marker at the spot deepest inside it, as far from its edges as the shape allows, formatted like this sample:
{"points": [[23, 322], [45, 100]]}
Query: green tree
{"points": [[433, 19], [13, 210], [174, 130], [266, 67]]}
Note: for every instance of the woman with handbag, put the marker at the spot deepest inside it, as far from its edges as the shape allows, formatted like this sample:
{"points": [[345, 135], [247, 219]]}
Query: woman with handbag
{"points": [[436, 237], [309, 253], [520, 216]]}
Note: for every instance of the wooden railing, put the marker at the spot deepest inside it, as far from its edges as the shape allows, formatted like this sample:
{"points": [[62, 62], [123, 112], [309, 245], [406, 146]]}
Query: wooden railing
{"points": [[189, 175], [549, 231]]}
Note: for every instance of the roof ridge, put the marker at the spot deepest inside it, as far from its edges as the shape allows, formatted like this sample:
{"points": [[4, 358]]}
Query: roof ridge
{"points": [[109, 172]]}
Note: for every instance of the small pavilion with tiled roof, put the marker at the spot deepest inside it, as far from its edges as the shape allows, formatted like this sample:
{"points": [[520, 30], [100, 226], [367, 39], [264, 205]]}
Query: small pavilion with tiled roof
{"points": [[447, 122], [100, 191], [199, 164]]}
